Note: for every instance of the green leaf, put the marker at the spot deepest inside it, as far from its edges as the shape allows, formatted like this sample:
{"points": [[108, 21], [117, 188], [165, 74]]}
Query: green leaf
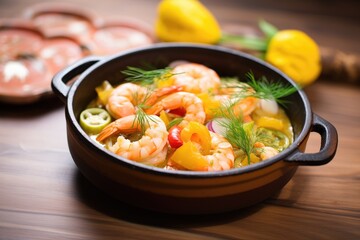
{"points": [[175, 121], [249, 42], [268, 29]]}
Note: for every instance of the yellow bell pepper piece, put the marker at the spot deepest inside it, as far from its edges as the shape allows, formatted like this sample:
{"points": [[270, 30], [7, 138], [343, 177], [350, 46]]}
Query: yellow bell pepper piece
{"points": [[186, 21], [197, 133], [210, 104], [253, 159], [296, 54], [165, 81], [104, 91], [164, 117], [270, 122], [189, 157]]}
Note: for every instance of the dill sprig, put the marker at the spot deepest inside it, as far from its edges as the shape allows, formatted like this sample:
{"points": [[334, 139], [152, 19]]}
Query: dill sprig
{"points": [[261, 88], [141, 118], [239, 134], [146, 77], [265, 89]]}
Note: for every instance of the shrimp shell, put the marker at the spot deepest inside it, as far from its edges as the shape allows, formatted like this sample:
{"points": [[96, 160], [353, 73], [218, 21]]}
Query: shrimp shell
{"points": [[148, 146], [189, 101], [196, 78], [127, 96], [241, 105], [222, 154]]}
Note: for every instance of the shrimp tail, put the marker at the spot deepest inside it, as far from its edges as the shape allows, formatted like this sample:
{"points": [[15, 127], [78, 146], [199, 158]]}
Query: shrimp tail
{"points": [[121, 125], [168, 90], [107, 132], [161, 93], [155, 109]]}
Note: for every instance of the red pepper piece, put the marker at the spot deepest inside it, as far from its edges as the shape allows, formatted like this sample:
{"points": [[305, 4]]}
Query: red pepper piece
{"points": [[174, 137]]}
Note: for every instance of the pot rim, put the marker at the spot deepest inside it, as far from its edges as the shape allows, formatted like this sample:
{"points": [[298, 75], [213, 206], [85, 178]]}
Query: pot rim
{"points": [[182, 173]]}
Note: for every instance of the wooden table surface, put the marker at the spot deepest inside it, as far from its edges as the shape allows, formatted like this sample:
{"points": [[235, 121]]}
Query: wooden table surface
{"points": [[44, 196]]}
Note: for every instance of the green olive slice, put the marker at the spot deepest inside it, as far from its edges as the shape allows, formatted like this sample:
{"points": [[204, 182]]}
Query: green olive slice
{"points": [[93, 120]]}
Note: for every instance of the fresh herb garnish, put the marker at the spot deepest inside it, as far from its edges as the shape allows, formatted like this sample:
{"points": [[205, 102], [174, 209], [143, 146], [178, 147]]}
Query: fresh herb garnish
{"points": [[141, 118], [261, 88], [244, 135], [147, 77], [239, 134], [269, 90]]}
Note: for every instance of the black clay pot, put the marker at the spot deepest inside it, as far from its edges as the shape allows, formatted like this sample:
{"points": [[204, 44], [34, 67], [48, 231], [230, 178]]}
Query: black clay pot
{"points": [[181, 191]]}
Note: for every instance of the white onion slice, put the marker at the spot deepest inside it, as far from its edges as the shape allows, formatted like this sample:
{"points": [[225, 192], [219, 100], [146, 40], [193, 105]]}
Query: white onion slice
{"points": [[269, 106], [217, 126]]}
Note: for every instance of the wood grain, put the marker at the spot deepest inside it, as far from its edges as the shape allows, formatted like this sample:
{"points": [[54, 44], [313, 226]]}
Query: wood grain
{"points": [[43, 195]]}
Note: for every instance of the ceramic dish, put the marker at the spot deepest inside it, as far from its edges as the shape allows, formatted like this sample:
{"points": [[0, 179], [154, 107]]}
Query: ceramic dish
{"points": [[185, 192], [50, 36], [97, 34], [29, 60]]}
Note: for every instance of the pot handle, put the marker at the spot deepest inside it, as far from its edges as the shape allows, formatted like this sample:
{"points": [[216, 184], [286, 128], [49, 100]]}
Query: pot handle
{"points": [[58, 83], [329, 142]]}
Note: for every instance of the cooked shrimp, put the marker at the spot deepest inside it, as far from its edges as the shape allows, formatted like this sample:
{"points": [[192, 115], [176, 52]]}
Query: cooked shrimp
{"points": [[125, 98], [236, 95], [148, 146], [222, 154], [121, 100], [265, 152], [268, 152], [157, 159], [189, 101], [245, 106], [196, 78]]}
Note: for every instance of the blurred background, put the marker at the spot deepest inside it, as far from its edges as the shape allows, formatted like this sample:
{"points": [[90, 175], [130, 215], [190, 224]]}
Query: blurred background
{"points": [[333, 24], [47, 196], [342, 16]]}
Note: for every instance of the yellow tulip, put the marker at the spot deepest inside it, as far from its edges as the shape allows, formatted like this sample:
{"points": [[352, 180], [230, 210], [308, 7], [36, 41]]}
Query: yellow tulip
{"points": [[296, 54], [186, 21]]}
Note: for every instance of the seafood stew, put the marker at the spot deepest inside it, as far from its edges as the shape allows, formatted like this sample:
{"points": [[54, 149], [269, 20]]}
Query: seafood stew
{"points": [[186, 116], [178, 191]]}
